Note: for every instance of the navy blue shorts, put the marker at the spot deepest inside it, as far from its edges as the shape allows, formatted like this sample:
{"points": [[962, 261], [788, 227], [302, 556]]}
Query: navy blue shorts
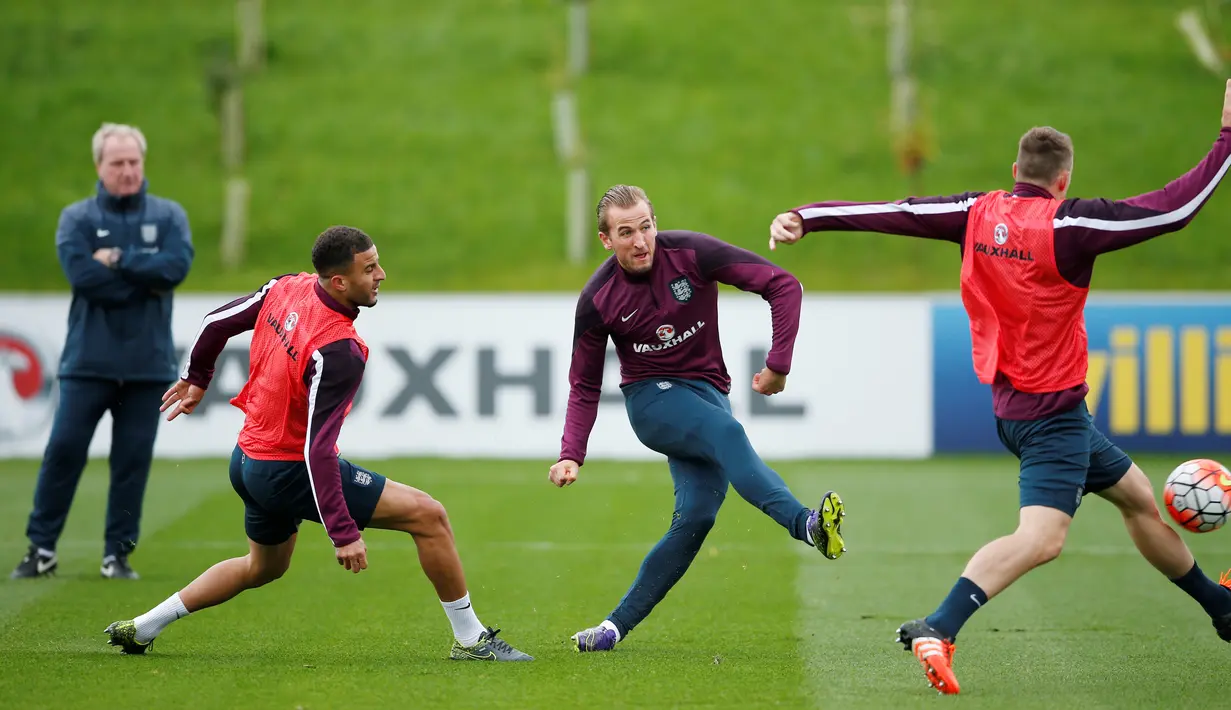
{"points": [[278, 495], [1063, 457]]}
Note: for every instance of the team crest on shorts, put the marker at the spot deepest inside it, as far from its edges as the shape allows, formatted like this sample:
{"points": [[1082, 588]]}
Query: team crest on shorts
{"points": [[681, 289], [363, 478]]}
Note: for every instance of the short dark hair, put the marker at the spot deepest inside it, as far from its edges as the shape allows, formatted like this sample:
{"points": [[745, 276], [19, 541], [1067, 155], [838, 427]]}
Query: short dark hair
{"points": [[1042, 153], [336, 247]]}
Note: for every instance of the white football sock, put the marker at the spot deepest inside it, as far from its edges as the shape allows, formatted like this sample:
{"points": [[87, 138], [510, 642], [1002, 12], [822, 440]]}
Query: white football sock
{"points": [[608, 625], [152, 622], [466, 626]]}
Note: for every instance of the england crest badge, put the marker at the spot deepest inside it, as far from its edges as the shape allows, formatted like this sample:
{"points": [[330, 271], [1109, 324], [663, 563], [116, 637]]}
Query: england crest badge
{"points": [[681, 289]]}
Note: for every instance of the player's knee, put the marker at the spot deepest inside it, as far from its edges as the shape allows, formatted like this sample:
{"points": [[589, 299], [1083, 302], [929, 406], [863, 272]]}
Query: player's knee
{"points": [[263, 572], [726, 443], [1134, 494], [267, 575], [424, 515], [697, 527], [1045, 545], [434, 514], [1049, 549], [697, 520], [730, 430], [1044, 535]]}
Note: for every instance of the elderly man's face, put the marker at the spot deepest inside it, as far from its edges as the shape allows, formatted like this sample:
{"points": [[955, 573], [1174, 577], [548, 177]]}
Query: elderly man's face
{"points": [[122, 168]]}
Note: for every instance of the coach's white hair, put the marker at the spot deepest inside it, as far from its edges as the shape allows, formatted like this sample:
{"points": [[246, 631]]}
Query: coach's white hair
{"points": [[116, 129]]}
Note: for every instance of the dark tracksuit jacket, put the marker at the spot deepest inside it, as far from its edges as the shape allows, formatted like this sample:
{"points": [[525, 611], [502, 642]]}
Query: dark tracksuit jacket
{"points": [[119, 355]]}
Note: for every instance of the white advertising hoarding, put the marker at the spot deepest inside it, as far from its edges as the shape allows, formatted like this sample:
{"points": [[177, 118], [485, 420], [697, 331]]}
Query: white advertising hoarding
{"points": [[487, 376]]}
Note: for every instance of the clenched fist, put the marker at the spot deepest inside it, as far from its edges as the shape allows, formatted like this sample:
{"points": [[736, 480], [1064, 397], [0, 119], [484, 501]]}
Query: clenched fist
{"points": [[768, 382], [563, 473], [788, 228]]}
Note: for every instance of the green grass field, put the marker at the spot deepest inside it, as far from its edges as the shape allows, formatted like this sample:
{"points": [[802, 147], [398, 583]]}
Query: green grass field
{"points": [[759, 621], [428, 123]]}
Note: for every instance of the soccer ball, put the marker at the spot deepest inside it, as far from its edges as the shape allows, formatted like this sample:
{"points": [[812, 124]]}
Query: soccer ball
{"points": [[1198, 495]]}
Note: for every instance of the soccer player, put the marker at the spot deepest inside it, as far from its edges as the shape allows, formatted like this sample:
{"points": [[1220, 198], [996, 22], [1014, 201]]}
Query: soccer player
{"points": [[306, 364], [1027, 258], [657, 299]]}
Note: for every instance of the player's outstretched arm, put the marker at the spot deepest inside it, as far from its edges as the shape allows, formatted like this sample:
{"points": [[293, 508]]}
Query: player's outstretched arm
{"points": [[942, 218], [1096, 226], [726, 263], [585, 378], [218, 326]]}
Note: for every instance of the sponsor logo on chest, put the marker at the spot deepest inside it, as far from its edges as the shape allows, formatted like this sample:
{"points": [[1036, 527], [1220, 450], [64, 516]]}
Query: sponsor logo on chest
{"points": [[669, 339], [283, 331]]}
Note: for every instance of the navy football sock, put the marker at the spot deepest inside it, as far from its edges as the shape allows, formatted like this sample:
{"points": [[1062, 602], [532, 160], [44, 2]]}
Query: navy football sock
{"points": [[963, 601], [1212, 596]]}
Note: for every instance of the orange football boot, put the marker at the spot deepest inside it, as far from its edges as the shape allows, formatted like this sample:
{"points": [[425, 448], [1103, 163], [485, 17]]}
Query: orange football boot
{"points": [[934, 652]]}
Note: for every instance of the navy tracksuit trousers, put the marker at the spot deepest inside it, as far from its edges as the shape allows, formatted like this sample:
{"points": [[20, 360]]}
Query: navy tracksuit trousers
{"points": [[691, 423], [134, 412]]}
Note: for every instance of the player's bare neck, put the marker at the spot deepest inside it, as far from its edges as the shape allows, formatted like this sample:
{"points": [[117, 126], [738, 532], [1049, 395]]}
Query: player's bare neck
{"points": [[339, 298]]}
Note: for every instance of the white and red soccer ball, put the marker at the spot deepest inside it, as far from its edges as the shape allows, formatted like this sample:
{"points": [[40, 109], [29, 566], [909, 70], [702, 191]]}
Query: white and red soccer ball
{"points": [[1198, 495]]}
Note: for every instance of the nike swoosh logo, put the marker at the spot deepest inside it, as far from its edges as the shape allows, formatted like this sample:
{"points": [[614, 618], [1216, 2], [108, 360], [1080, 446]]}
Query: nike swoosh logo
{"points": [[624, 319], [975, 599], [1224, 481], [44, 566], [464, 607]]}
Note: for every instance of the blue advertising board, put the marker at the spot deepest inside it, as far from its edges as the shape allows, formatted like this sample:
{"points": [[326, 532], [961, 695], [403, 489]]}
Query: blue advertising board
{"points": [[1160, 376]]}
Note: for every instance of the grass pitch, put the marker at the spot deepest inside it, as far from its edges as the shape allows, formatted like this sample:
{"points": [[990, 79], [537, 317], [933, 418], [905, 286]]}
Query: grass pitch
{"points": [[759, 620]]}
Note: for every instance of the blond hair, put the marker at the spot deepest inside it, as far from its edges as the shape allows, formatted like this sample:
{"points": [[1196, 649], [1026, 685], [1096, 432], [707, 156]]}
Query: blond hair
{"points": [[623, 196], [1042, 153], [108, 130]]}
